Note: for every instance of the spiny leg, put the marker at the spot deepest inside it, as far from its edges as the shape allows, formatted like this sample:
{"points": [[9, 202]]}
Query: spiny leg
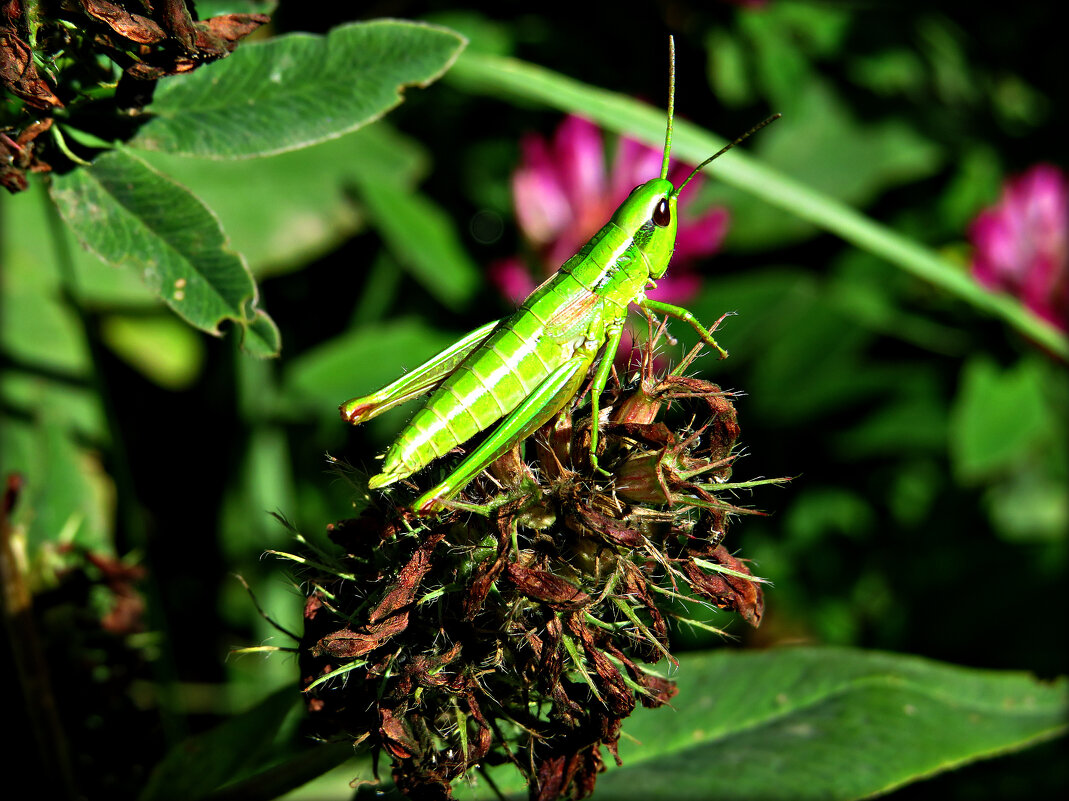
{"points": [[686, 316], [548, 398]]}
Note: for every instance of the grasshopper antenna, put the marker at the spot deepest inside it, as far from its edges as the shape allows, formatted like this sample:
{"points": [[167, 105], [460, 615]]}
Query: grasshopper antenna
{"points": [[737, 141], [671, 105]]}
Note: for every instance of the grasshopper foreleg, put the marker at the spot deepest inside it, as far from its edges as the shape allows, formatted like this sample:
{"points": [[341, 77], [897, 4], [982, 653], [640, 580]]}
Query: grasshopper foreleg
{"points": [[686, 316], [613, 331]]}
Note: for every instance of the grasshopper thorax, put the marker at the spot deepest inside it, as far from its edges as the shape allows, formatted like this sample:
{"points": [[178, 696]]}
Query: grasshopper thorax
{"points": [[649, 216]]}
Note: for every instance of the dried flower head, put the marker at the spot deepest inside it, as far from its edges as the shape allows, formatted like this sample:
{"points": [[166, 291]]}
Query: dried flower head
{"points": [[523, 626]]}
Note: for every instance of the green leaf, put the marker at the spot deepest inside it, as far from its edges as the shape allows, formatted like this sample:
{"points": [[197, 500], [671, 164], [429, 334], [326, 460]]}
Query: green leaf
{"points": [[882, 303], [362, 360], [283, 211], [296, 90], [421, 237], [944, 45], [796, 338], [212, 8], [1030, 505], [72, 405], [483, 34], [780, 68], [785, 42], [895, 70], [36, 328], [161, 348], [134, 217], [261, 336], [727, 68], [68, 497], [998, 418], [295, 772], [820, 513], [201, 764], [824, 723], [977, 182], [30, 259], [766, 307], [912, 418]]}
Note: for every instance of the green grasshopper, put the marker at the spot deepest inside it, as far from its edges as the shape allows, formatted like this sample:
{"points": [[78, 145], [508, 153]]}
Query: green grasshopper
{"points": [[526, 367]]}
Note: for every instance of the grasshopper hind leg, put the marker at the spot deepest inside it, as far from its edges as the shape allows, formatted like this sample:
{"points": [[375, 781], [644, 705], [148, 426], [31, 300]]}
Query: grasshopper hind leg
{"points": [[417, 382], [548, 398]]}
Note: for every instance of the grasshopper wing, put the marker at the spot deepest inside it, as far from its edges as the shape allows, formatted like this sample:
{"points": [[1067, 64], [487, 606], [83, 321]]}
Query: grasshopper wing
{"points": [[417, 382]]}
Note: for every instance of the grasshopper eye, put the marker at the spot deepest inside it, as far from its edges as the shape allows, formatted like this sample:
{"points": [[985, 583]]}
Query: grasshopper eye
{"points": [[662, 215]]}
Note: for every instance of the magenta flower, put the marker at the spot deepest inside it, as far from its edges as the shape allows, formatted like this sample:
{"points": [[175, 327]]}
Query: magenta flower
{"points": [[563, 195], [1022, 243]]}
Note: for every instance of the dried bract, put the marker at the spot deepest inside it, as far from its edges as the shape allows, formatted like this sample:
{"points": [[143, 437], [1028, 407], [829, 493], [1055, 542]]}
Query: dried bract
{"points": [[51, 57]]}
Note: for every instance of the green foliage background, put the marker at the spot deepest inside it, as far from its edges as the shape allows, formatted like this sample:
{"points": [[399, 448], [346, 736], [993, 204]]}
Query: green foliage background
{"points": [[927, 432]]}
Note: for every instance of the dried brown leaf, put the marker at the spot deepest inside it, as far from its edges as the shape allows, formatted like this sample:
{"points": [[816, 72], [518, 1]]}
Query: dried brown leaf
{"points": [[546, 587], [134, 27], [19, 74], [726, 591]]}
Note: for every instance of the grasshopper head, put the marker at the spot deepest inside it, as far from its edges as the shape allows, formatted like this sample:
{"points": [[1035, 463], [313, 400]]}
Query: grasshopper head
{"points": [[649, 215]]}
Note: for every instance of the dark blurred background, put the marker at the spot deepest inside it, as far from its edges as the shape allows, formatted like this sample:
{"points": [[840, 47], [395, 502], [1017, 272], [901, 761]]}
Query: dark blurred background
{"points": [[928, 439]]}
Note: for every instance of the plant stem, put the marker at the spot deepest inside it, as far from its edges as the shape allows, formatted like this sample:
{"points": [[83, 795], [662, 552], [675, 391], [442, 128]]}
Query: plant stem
{"points": [[131, 515], [479, 72], [34, 678]]}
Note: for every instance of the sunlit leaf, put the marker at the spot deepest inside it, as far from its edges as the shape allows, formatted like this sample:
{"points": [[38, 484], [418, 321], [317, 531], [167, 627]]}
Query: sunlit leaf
{"points": [[136, 218], [823, 723], [296, 90]]}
